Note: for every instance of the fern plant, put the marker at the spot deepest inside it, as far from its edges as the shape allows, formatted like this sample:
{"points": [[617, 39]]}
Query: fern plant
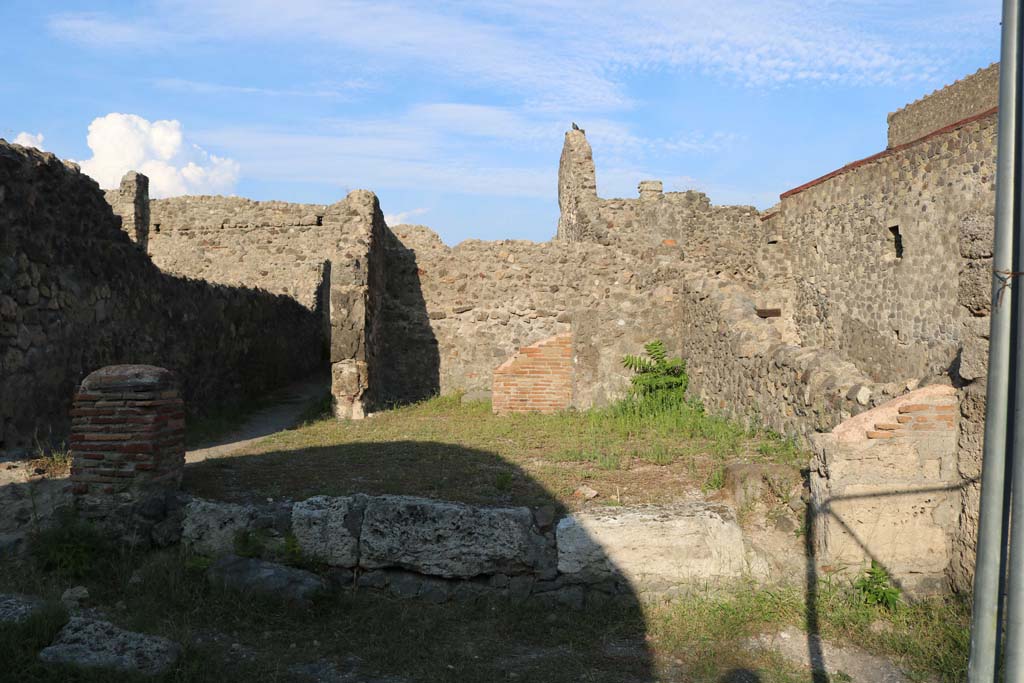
{"points": [[657, 374]]}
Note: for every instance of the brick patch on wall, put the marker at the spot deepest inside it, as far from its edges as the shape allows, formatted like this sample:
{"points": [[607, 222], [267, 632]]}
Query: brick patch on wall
{"points": [[538, 378], [917, 417]]}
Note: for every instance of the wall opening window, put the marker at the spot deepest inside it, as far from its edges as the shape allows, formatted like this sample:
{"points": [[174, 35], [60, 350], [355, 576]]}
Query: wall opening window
{"points": [[319, 220], [156, 227], [897, 241]]}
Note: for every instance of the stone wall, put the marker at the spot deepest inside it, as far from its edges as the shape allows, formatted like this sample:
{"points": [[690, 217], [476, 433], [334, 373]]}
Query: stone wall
{"points": [[77, 294], [538, 378], [723, 239], [324, 257], [130, 202], [753, 369], [967, 97], [717, 236], [276, 246], [870, 258], [451, 315], [888, 261], [884, 488]]}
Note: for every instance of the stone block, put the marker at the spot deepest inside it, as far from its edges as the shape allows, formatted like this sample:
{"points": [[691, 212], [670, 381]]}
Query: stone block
{"points": [[93, 643], [327, 528], [673, 544], [15, 608], [210, 528], [450, 540], [250, 575]]}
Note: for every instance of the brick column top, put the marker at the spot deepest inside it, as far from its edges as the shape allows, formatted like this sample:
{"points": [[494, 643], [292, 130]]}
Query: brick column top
{"points": [[133, 377]]}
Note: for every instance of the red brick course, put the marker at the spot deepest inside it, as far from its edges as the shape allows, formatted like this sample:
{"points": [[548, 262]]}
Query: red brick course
{"points": [[917, 417], [538, 378]]}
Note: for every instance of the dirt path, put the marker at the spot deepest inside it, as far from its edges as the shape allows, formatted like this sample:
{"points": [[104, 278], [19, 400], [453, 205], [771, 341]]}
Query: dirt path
{"points": [[288, 406]]}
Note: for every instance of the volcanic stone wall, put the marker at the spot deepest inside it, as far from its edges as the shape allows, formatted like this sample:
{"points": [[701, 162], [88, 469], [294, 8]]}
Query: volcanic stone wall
{"points": [[717, 236], [77, 294], [130, 202], [967, 97], [276, 246], [888, 261], [325, 257], [871, 257], [724, 239], [453, 314]]}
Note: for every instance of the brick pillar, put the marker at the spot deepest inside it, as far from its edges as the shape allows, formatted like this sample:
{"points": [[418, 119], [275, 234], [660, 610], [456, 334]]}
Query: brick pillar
{"points": [[127, 444]]}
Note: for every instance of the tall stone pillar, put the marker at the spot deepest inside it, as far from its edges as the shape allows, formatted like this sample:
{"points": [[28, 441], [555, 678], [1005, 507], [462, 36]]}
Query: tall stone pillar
{"points": [[131, 202], [577, 190]]}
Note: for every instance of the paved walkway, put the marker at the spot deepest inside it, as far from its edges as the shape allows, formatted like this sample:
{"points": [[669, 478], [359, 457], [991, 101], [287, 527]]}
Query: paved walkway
{"points": [[288, 405]]}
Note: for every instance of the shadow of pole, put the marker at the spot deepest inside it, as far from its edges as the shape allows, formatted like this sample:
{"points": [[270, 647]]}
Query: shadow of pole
{"points": [[815, 651], [815, 656]]}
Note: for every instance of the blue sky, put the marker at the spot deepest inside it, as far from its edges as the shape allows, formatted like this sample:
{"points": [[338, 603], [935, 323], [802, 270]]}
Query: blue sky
{"points": [[454, 112]]}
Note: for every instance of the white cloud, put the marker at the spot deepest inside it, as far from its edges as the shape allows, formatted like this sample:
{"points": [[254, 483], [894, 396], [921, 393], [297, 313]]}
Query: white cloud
{"points": [[29, 140], [403, 216], [126, 142]]}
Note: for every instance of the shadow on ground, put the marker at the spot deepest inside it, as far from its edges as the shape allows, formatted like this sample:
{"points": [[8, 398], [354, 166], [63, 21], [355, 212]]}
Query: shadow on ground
{"points": [[411, 640], [492, 641]]}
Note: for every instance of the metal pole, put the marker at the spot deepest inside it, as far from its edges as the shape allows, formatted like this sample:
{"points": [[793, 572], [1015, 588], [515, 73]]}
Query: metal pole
{"points": [[989, 568]]}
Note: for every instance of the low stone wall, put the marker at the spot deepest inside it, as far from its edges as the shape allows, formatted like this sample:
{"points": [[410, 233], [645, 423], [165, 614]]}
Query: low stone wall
{"points": [[438, 550], [76, 294], [753, 369], [538, 378], [885, 488]]}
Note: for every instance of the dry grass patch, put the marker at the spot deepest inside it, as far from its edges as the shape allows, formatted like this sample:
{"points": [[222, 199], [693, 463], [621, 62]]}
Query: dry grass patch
{"points": [[443, 448]]}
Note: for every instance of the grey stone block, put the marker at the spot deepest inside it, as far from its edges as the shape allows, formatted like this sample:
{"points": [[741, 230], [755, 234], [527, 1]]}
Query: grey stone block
{"points": [[266, 578], [91, 643], [445, 539]]}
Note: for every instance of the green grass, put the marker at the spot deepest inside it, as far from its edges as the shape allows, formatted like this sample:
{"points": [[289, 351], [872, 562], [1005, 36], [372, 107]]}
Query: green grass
{"points": [[928, 639], [699, 637], [72, 549], [646, 450]]}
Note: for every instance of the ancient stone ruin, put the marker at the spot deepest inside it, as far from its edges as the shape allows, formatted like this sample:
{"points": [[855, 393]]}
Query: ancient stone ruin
{"points": [[128, 450], [852, 315]]}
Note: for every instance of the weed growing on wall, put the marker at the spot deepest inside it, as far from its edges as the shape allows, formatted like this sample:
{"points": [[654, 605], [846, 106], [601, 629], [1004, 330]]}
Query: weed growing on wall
{"points": [[876, 587], [656, 376]]}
